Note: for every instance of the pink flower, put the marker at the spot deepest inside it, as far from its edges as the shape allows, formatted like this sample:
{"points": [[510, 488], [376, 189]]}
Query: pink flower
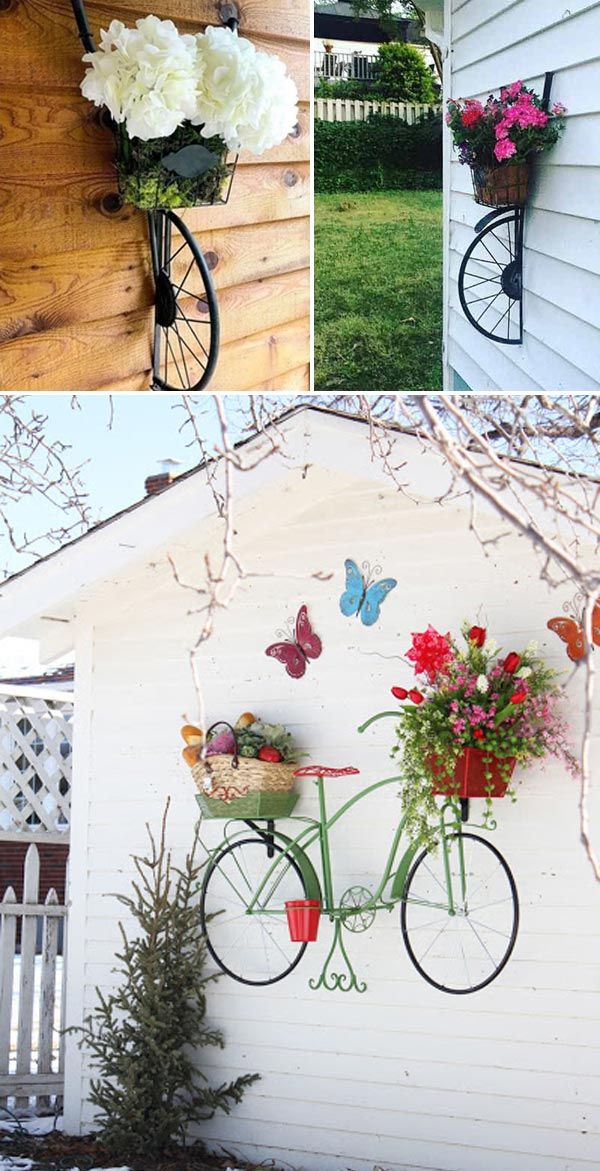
{"points": [[559, 109], [511, 91], [504, 149]]}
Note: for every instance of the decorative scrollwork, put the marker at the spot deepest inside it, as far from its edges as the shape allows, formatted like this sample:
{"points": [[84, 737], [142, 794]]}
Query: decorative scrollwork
{"points": [[338, 981]]}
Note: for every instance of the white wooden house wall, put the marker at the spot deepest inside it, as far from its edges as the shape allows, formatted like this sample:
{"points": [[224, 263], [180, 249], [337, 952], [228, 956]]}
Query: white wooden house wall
{"points": [[402, 1077], [489, 45]]}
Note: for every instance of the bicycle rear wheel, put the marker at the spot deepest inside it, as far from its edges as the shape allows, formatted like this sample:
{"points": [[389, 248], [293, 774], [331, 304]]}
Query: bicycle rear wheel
{"points": [[251, 948], [186, 315], [460, 952]]}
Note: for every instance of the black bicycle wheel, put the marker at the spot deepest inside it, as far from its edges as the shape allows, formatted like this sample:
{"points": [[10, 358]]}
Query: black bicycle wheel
{"points": [[186, 315], [464, 951], [490, 280], [251, 948]]}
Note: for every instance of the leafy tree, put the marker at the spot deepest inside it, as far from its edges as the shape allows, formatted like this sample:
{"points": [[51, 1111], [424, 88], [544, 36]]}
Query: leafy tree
{"points": [[403, 74], [144, 1037]]}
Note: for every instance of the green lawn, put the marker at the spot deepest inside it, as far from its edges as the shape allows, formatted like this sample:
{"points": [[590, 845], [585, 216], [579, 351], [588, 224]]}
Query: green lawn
{"points": [[378, 291]]}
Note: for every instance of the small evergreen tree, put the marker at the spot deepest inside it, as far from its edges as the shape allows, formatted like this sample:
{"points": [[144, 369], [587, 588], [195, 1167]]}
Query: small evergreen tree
{"points": [[144, 1037]]}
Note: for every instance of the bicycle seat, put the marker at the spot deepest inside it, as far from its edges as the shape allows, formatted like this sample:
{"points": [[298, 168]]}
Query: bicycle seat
{"points": [[321, 770]]}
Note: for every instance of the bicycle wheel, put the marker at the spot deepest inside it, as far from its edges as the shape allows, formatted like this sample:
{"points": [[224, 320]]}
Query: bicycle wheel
{"points": [[489, 281], [186, 315], [464, 951], [252, 948]]}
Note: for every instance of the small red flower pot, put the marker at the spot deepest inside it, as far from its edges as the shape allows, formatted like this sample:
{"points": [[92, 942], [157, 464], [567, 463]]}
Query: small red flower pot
{"points": [[303, 919], [469, 778]]}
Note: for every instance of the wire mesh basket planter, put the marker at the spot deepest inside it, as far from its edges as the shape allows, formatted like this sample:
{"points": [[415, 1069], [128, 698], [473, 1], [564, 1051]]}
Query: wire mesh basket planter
{"points": [[183, 170]]}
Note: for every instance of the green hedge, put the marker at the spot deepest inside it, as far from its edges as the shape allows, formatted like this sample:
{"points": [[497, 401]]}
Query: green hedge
{"points": [[381, 154]]}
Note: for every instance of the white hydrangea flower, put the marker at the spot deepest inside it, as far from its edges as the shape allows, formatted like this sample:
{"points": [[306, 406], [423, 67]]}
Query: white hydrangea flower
{"points": [[524, 672], [245, 96], [483, 684], [147, 76], [491, 646], [532, 647]]}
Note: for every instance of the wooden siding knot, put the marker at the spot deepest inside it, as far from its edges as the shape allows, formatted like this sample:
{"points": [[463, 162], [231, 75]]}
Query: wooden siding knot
{"points": [[111, 203], [212, 259], [290, 178]]}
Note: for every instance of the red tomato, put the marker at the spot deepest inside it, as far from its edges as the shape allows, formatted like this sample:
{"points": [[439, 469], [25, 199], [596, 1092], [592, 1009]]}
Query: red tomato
{"points": [[270, 754]]}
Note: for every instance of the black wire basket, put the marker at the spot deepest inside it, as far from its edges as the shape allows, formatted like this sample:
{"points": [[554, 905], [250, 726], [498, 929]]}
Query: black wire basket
{"points": [[183, 170]]}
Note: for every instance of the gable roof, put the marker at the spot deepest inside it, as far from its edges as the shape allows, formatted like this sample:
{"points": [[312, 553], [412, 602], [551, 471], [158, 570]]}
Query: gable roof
{"points": [[41, 597]]}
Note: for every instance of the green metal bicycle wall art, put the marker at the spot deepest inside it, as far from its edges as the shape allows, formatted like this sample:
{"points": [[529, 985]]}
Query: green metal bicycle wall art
{"points": [[480, 713], [459, 908]]}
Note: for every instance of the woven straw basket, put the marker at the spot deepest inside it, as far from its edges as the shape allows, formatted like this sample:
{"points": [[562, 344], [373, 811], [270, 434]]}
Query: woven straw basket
{"points": [[249, 774], [231, 776]]}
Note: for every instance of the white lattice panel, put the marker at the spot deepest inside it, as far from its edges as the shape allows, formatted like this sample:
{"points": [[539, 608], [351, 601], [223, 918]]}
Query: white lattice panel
{"points": [[36, 737]]}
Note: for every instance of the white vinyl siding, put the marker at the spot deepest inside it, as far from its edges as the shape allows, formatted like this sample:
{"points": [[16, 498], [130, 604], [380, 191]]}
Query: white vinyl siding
{"points": [[402, 1077], [492, 44]]}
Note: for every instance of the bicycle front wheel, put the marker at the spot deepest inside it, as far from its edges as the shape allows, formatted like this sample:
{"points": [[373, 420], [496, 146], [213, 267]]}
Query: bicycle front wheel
{"points": [[186, 315], [251, 947], [463, 949]]}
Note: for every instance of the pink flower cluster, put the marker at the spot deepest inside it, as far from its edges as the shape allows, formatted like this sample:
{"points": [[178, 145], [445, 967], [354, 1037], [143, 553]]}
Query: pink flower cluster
{"points": [[522, 113]]}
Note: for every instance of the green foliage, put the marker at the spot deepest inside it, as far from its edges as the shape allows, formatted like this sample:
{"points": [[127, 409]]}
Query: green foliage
{"points": [[403, 74], [378, 291], [380, 154], [145, 183], [258, 735], [144, 1037], [352, 90]]}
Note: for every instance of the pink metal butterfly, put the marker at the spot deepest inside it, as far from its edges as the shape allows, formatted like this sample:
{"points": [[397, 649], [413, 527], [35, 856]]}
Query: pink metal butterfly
{"points": [[295, 653]]}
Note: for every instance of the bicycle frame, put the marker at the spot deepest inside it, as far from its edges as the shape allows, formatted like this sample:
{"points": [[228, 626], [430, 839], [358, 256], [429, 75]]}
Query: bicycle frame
{"points": [[319, 830]]}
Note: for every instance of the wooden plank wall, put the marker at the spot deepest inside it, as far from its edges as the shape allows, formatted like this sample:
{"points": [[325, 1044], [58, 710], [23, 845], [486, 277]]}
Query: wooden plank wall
{"points": [[75, 280]]}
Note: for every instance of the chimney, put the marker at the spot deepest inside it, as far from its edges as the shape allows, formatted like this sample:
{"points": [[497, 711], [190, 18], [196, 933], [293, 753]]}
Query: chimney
{"points": [[162, 479]]}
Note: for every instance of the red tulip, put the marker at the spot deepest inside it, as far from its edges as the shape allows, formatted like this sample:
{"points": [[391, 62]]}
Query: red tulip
{"points": [[478, 734], [518, 697], [477, 635], [399, 692], [416, 696], [511, 662]]}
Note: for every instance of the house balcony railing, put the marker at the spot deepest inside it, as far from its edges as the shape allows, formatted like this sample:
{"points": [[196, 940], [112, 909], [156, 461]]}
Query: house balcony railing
{"points": [[345, 66]]}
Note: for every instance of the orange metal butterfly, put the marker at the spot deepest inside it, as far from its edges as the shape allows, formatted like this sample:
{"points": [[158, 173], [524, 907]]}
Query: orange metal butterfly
{"points": [[571, 632]]}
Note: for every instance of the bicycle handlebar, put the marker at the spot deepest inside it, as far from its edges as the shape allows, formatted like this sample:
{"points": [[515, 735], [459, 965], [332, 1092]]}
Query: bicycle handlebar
{"points": [[372, 719]]}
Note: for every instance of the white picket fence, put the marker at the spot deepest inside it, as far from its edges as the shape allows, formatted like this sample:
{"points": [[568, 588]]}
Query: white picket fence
{"points": [[31, 993], [349, 110]]}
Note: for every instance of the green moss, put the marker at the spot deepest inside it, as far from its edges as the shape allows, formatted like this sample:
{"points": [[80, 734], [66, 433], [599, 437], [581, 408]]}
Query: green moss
{"points": [[145, 183]]}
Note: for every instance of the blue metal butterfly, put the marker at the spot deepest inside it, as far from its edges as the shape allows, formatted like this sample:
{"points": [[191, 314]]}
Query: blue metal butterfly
{"points": [[362, 595]]}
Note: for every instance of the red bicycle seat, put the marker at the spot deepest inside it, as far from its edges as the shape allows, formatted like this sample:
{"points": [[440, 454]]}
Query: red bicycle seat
{"points": [[320, 770]]}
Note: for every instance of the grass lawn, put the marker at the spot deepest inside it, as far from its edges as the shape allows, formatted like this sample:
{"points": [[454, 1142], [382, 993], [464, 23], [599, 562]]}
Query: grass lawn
{"points": [[378, 291]]}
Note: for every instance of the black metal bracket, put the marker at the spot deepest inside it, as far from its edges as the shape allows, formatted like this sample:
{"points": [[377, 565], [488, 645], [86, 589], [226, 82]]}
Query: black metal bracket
{"points": [[266, 835], [490, 279], [83, 27]]}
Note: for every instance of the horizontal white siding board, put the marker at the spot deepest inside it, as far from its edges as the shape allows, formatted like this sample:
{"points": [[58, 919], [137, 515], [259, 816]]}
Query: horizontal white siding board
{"points": [[488, 61]]}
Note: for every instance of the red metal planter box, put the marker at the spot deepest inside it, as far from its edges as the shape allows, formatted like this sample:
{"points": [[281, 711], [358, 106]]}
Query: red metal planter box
{"points": [[303, 919], [469, 779]]}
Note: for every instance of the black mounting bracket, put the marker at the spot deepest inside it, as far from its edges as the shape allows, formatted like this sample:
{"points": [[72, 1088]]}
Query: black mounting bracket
{"points": [[490, 279], [229, 15]]}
